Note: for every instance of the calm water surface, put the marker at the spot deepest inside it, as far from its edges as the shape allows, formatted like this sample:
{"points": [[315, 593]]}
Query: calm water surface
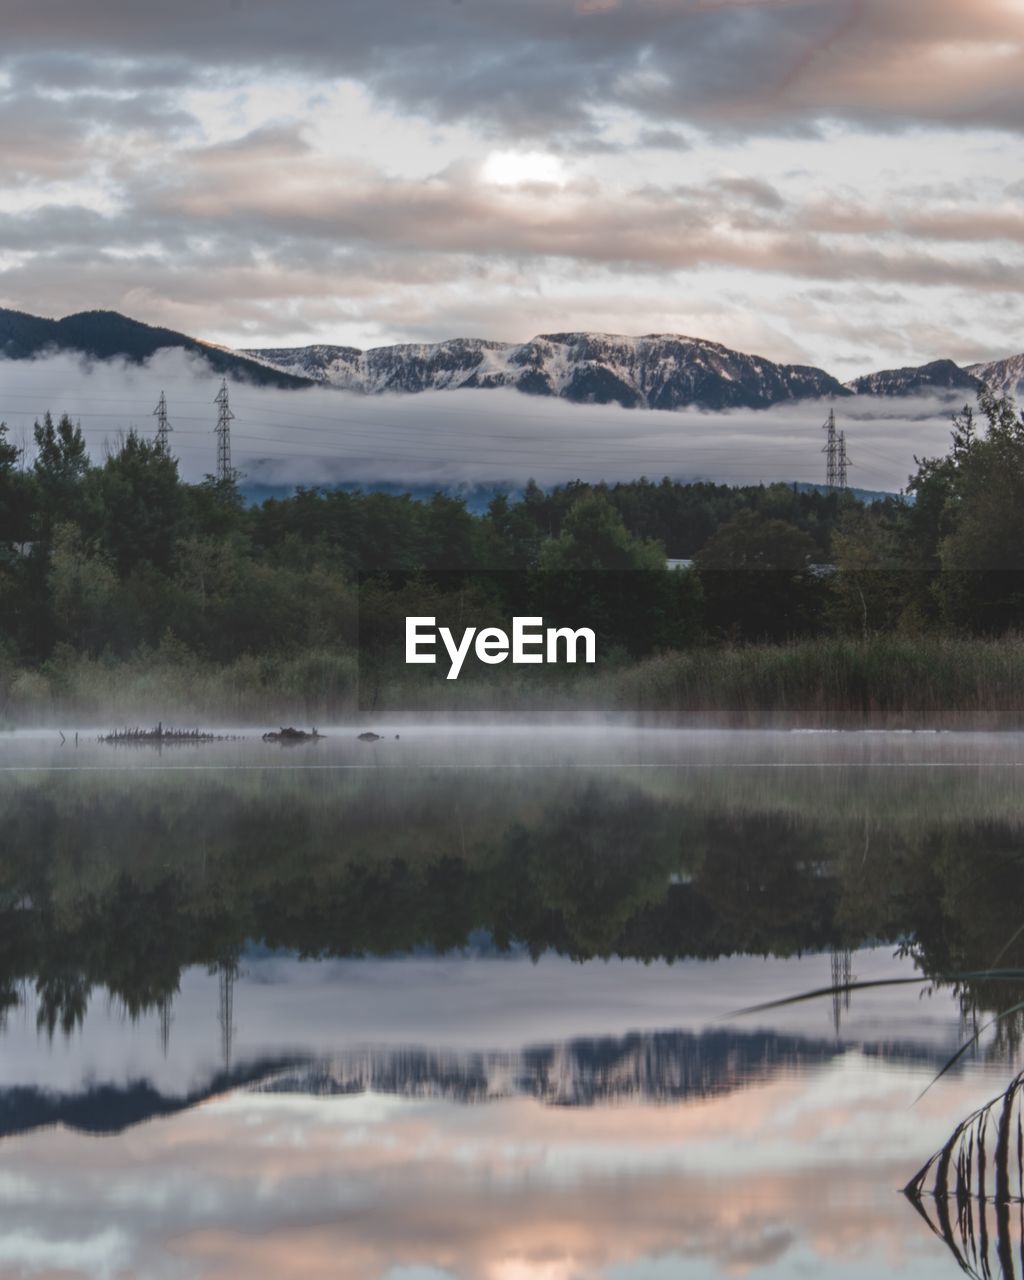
{"points": [[463, 1004]]}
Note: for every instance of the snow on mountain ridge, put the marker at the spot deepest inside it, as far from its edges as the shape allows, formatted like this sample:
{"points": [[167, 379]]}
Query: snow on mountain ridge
{"points": [[938, 375], [1004, 377], [660, 371]]}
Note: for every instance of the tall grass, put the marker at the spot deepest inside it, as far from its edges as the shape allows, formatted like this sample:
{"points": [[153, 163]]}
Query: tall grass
{"points": [[880, 682], [181, 688], [901, 682]]}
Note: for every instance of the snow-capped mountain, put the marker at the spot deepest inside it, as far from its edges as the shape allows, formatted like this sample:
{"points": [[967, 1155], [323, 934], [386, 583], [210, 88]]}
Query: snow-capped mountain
{"points": [[658, 371], [654, 1066], [660, 1066], [942, 375], [1005, 377]]}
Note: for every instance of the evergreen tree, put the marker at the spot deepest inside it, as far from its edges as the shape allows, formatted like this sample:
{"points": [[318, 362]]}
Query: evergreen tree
{"points": [[60, 465]]}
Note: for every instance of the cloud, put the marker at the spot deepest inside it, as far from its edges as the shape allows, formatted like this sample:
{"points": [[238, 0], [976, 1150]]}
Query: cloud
{"points": [[466, 437], [759, 65], [341, 219], [257, 173], [346, 1187], [663, 140]]}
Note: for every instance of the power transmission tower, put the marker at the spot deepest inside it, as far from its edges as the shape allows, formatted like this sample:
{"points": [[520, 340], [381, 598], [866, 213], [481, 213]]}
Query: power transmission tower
{"points": [[842, 461], [223, 429], [162, 425], [842, 977], [226, 1011], [164, 1008], [831, 450]]}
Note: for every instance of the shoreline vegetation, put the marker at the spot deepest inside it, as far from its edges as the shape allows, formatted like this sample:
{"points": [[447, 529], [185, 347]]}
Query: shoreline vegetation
{"points": [[127, 595], [881, 682]]}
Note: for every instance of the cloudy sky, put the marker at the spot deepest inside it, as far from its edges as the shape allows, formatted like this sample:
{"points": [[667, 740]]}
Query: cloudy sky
{"points": [[834, 181]]}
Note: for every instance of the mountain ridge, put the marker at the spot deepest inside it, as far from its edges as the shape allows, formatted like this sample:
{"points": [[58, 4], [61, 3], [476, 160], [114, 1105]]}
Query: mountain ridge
{"points": [[106, 335], [653, 370]]}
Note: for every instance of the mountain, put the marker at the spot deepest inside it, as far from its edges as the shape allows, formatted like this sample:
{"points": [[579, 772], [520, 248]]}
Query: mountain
{"points": [[1005, 377], [104, 335], [657, 371], [662, 1066], [941, 375]]}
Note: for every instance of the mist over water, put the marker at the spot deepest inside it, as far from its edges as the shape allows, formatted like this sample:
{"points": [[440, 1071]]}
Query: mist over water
{"points": [[466, 437]]}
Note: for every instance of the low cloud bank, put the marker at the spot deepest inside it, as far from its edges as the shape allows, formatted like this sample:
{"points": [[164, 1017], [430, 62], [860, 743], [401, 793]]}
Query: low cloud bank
{"points": [[451, 438]]}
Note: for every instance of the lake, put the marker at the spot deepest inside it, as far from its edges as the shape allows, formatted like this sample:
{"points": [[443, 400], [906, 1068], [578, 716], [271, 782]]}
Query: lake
{"points": [[468, 1002]]}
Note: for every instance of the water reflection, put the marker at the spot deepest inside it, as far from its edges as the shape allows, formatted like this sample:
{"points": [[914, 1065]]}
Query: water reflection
{"points": [[796, 1177], [293, 973], [663, 1067]]}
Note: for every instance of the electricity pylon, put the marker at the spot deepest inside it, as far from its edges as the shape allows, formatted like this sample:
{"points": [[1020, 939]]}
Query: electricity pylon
{"points": [[831, 450], [223, 429], [842, 461], [162, 425]]}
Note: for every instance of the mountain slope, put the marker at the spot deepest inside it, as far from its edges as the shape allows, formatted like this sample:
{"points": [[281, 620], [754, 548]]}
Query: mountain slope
{"points": [[658, 371], [938, 375], [1005, 377], [104, 335]]}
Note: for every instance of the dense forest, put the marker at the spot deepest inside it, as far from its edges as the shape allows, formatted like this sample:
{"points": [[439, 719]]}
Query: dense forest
{"points": [[120, 562]]}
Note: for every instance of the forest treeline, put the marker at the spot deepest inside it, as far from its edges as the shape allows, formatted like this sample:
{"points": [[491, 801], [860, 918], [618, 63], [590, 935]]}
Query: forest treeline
{"points": [[106, 561]]}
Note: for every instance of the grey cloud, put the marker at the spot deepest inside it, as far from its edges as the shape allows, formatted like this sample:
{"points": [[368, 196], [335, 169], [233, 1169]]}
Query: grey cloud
{"points": [[663, 140], [48, 138], [213, 243], [542, 67], [652, 229], [71, 71], [752, 189]]}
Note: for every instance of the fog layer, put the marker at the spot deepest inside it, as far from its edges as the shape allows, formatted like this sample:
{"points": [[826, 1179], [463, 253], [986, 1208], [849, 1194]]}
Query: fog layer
{"points": [[468, 437]]}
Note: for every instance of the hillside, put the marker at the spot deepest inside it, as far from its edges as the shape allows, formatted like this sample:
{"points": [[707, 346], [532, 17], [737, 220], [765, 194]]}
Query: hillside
{"points": [[106, 335]]}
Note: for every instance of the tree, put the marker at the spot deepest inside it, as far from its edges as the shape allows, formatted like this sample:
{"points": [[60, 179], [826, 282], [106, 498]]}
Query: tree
{"points": [[511, 538], [139, 505], [447, 534], [60, 465], [82, 586], [596, 574], [755, 574], [981, 548], [594, 537], [15, 498], [869, 588]]}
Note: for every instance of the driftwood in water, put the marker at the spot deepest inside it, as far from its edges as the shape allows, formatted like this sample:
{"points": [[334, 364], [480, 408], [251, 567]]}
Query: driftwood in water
{"points": [[159, 735], [971, 1191], [292, 735]]}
